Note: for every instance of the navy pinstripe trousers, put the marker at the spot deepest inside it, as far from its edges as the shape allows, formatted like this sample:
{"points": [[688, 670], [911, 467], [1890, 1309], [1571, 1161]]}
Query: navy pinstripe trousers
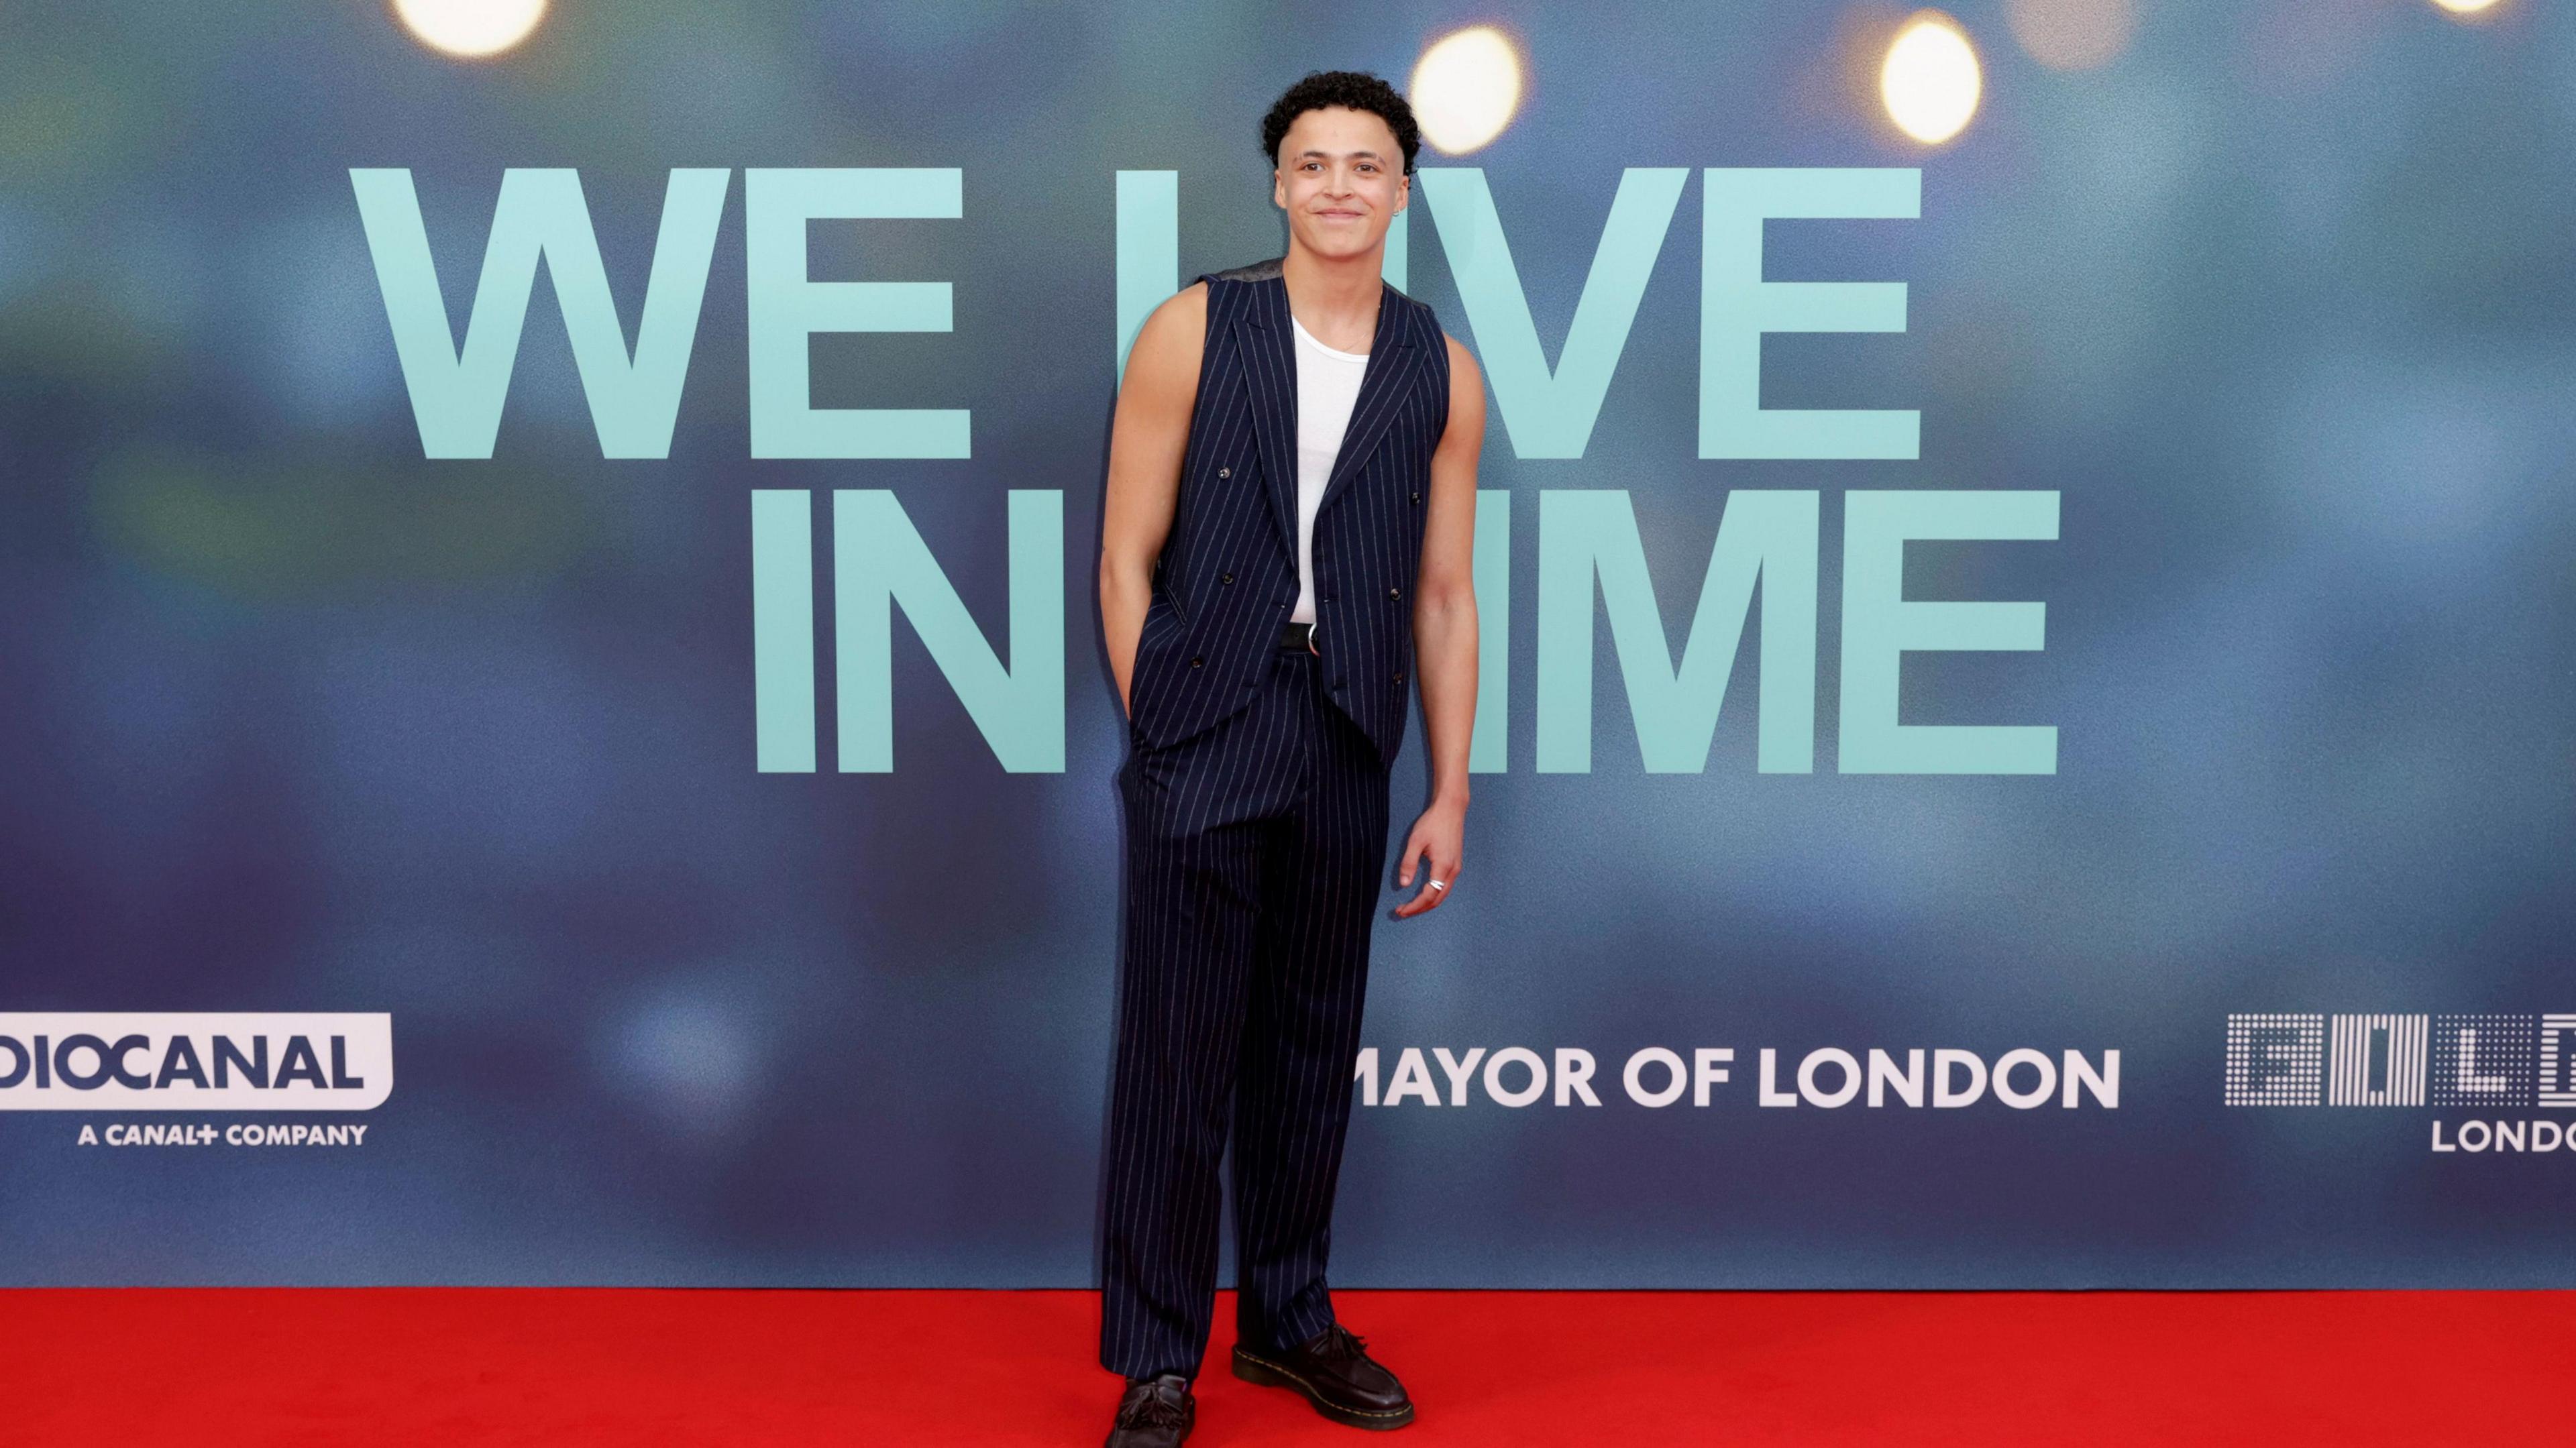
{"points": [[1255, 853]]}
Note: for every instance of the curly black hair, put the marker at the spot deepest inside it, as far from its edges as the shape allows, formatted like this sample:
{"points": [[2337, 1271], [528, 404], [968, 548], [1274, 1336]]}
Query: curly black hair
{"points": [[1355, 89]]}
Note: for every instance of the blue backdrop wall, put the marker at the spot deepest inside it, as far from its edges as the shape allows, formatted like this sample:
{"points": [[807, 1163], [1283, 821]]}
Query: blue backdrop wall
{"points": [[709, 920]]}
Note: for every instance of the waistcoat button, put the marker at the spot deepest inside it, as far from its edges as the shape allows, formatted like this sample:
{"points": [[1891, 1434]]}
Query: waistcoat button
{"points": [[1194, 663], [1225, 578], [1229, 472], [1395, 593], [1399, 678], [1417, 497]]}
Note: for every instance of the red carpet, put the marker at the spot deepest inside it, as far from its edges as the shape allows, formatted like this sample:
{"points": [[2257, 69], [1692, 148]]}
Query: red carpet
{"points": [[456, 1367]]}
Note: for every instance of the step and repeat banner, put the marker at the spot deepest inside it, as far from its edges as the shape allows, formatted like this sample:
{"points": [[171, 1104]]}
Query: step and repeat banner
{"points": [[555, 729]]}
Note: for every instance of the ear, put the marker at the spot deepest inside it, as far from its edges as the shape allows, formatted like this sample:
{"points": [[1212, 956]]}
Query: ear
{"points": [[1278, 188], [1403, 193]]}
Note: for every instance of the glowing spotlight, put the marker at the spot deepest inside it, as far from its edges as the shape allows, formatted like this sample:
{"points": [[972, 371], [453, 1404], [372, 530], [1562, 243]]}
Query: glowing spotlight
{"points": [[2072, 34], [1465, 89], [472, 28], [2466, 7], [1931, 81]]}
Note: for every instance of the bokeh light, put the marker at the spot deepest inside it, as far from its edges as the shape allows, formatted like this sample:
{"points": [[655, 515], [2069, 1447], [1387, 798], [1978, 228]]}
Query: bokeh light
{"points": [[2072, 34], [2466, 8], [1466, 88], [1930, 81], [472, 28]]}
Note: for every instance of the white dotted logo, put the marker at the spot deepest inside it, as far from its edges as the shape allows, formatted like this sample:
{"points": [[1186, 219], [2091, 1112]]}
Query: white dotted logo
{"points": [[2558, 1062], [2483, 1060], [2275, 1060], [2378, 1061], [2472, 1060]]}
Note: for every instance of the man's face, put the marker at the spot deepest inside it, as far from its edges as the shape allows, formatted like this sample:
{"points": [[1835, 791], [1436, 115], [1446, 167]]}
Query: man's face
{"points": [[1341, 180]]}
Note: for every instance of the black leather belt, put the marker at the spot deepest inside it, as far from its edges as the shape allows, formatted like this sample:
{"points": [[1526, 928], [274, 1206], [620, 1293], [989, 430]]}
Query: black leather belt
{"points": [[1298, 636]]}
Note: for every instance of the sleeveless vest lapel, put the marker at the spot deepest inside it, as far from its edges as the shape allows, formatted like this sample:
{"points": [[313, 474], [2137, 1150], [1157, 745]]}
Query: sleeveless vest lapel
{"points": [[1269, 356], [1384, 383]]}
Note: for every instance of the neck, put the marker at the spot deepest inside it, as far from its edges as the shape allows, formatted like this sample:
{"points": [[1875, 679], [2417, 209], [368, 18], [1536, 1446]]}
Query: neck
{"points": [[1341, 287]]}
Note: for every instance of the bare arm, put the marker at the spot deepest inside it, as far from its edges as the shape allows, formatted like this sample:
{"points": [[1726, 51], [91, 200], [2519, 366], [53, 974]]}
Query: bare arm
{"points": [[1444, 635], [1146, 440]]}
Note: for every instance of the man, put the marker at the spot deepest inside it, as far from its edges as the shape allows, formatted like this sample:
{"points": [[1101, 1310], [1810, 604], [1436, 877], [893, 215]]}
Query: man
{"points": [[1285, 545]]}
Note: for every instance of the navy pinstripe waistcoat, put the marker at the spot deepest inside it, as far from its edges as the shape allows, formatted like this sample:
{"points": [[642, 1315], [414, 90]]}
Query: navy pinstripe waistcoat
{"points": [[1228, 573]]}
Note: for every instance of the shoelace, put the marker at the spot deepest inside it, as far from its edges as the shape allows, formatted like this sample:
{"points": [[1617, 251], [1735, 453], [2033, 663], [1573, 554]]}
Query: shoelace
{"points": [[1150, 1410], [1342, 1345]]}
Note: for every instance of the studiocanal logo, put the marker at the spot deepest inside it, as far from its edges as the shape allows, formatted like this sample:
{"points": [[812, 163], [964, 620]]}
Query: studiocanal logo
{"points": [[116, 1061], [2486, 1062]]}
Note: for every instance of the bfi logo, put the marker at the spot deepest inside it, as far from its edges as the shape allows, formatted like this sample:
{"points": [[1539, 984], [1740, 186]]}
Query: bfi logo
{"points": [[2402, 1060]]}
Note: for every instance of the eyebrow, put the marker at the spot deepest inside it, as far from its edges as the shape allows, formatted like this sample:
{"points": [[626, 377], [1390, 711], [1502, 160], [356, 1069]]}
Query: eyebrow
{"points": [[1327, 155]]}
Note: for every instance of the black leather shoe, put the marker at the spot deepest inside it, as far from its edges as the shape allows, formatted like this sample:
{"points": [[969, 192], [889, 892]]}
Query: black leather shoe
{"points": [[1332, 1372], [1156, 1413]]}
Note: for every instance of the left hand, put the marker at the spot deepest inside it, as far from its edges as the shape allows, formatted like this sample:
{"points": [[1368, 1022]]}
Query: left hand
{"points": [[1440, 834]]}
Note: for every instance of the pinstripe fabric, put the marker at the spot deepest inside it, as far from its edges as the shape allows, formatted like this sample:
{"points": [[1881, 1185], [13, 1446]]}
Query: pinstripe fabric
{"points": [[1253, 861], [1257, 814], [1227, 579]]}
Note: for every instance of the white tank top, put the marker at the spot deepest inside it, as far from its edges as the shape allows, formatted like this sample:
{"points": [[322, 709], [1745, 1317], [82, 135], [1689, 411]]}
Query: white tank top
{"points": [[1328, 383]]}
